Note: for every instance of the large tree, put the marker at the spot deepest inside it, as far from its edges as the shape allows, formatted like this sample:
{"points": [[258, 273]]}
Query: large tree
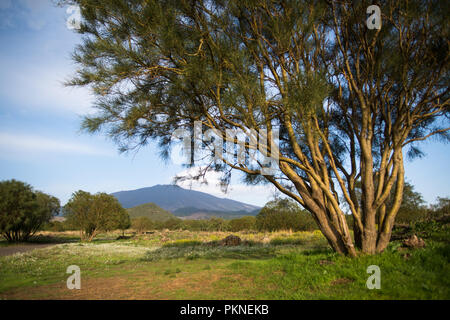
{"points": [[345, 100], [23, 211]]}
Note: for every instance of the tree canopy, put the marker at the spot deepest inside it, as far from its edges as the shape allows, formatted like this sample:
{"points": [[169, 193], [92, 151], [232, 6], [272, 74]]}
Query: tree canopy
{"points": [[347, 102], [23, 210], [93, 213]]}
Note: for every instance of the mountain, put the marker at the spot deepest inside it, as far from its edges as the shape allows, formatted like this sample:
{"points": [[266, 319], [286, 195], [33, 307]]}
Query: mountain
{"points": [[151, 211], [183, 202]]}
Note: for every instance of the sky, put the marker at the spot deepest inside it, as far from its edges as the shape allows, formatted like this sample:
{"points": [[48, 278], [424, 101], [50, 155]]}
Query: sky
{"points": [[40, 138]]}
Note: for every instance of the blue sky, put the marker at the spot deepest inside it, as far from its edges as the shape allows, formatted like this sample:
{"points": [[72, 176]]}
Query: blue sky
{"points": [[40, 142]]}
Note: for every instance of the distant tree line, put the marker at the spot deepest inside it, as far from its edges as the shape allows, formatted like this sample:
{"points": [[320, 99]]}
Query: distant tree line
{"points": [[283, 214], [24, 211]]}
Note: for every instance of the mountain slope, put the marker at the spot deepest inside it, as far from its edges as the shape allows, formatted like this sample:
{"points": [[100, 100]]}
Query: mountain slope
{"points": [[151, 211], [176, 199]]}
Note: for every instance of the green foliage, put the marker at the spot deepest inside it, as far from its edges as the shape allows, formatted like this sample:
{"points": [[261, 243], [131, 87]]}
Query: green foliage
{"points": [[212, 224], [195, 225], [151, 211], [123, 221], [92, 213], [441, 208], [217, 224], [244, 223], [412, 208], [432, 229], [142, 224], [435, 225], [56, 226], [172, 224], [284, 214], [23, 211]]}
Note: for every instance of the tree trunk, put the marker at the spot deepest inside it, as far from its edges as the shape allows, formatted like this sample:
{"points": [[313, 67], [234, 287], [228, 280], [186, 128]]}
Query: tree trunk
{"points": [[357, 235]]}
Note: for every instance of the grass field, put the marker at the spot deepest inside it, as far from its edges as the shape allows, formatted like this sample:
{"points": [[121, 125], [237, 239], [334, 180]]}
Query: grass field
{"points": [[193, 265]]}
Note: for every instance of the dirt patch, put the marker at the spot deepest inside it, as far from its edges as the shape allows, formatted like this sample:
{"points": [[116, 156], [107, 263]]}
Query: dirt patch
{"points": [[138, 286], [20, 248]]}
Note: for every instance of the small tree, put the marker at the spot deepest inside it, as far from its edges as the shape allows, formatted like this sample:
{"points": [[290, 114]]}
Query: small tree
{"points": [[141, 224], [92, 213], [23, 211], [123, 221], [284, 214]]}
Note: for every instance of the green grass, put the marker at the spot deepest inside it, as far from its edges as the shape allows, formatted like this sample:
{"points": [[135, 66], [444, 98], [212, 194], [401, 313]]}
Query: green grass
{"points": [[418, 274], [187, 265], [49, 265], [210, 252]]}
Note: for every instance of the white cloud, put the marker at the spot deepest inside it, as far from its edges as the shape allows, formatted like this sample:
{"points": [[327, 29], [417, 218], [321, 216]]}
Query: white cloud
{"points": [[41, 87], [10, 142], [256, 195], [36, 65]]}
